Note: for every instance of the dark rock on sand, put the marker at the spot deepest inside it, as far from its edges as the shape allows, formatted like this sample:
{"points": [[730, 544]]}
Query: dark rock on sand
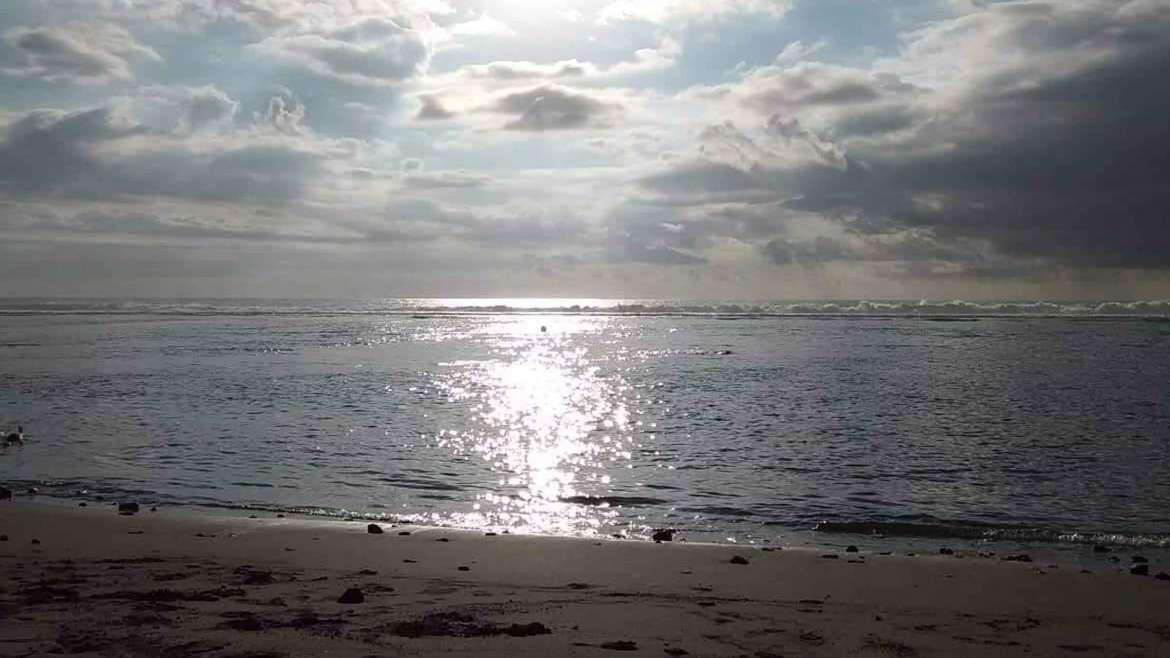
{"points": [[946, 551], [1023, 557], [465, 568], [128, 508], [663, 535], [36, 541], [850, 549], [256, 577], [374, 529], [1140, 570], [830, 556], [738, 559], [81, 504], [352, 595], [5, 493], [676, 651], [443, 539], [403, 533], [620, 645], [812, 637], [1162, 575]]}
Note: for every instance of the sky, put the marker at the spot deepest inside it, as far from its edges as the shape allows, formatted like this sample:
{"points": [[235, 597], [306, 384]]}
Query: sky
{"points": [[738, 149]]}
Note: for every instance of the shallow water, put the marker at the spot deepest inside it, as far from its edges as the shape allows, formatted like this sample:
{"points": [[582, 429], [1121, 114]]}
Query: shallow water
{"points": [[730, 424]]}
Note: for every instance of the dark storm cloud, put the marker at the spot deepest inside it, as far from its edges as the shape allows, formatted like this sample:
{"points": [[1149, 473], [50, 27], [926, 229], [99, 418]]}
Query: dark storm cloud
{"points": [[61, 153], [805, 252], [1053, 147], [554, 108]]}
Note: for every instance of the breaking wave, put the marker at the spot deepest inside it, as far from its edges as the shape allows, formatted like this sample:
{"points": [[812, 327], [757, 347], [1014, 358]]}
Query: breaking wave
{"points": [[988, 532]]}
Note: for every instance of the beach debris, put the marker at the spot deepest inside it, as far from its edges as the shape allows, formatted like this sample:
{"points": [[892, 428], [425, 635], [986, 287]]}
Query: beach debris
{"points": [[1140, 570], [374, 529], [666, 534], [352, 595], [1100, 548], [1022, 557], [850, 549], [5, 493], [459, 624], [946, 551], [738, 559], [620, 645], [255, 576], [127, 508], [812, 637], [1137, 559]]}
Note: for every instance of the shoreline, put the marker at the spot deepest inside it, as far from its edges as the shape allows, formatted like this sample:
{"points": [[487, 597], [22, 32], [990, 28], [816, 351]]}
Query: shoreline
{"points": [[1078, 554], [100, 583]]}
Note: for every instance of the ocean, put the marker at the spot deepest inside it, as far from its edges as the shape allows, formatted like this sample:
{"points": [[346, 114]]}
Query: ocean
{"points": [[906, 424]]}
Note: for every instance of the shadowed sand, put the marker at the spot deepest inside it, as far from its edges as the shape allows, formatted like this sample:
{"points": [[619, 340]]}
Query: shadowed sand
{"points": [[178, 583]]}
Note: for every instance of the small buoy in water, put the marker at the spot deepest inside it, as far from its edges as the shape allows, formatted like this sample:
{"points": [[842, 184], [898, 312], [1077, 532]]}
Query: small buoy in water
{"points": [[543, 329]]}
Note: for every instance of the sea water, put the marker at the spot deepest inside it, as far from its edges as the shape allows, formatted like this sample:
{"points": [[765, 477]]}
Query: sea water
{"points": [[814, 422]]}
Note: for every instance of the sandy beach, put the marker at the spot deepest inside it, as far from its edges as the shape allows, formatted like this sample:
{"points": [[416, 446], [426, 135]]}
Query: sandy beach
{"points": [[178, 582]]}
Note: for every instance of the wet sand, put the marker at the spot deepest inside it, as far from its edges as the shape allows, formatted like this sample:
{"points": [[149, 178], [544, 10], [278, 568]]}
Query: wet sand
{"points": [[181, 582]]}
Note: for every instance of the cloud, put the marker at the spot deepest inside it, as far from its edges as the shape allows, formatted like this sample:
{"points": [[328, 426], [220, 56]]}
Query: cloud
{"points": [[431, 109], [1010, 136], [806, 253], [442, 180], [798, 50], [552, 107], [76, 52], [371, 52], [643, 60], [659, 11], [106, 154]]}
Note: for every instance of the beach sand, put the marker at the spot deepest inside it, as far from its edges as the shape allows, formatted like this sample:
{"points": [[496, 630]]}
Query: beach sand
{"points": [[180, 582]]}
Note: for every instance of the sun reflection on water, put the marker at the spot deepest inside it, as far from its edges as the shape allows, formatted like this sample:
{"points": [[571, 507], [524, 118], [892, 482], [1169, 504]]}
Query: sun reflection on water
{"points": [[546, 418]]}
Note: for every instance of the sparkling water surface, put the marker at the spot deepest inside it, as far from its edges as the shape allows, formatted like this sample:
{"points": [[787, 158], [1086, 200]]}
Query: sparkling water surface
{"points": [[594, 418]]}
